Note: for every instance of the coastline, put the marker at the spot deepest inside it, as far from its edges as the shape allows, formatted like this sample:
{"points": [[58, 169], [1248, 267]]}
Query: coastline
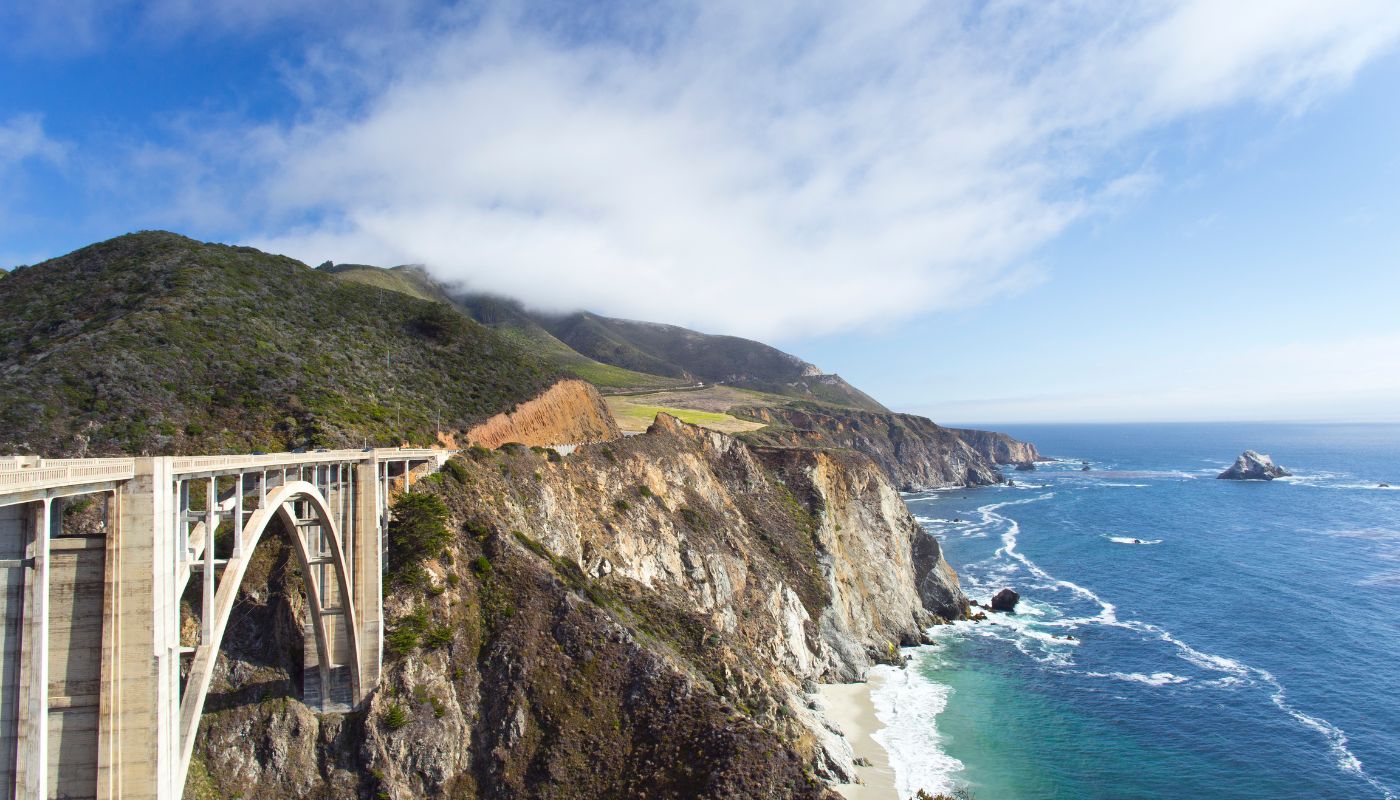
{"points": [[850, 707]]}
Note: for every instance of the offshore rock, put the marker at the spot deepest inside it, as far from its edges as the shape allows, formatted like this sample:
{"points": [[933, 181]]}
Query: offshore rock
{"points": [[1005, 600], [1252, 466]]}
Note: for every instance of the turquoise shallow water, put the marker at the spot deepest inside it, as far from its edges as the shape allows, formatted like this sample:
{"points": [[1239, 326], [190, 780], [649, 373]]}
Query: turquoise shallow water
{"points": [[1250, 648]]}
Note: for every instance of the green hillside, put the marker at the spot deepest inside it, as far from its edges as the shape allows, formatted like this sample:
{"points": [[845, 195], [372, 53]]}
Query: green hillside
{"points": [[686, 354], [156, 343], [619, 355], [507, 318]]}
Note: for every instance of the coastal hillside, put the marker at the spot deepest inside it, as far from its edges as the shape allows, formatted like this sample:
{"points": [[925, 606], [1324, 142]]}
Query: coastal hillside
{"points": [[643, 618], [508, 318], [914, 452], [678, 352], [155, 343]]}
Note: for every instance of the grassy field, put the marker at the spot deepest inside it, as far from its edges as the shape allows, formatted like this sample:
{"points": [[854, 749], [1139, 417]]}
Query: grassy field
{"points": [[633, 416], [706, 407]]}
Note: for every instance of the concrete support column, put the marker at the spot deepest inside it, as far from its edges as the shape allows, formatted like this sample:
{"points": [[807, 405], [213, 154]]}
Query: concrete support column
{"points": [[138, 719], [33, 745], [366, 558]]}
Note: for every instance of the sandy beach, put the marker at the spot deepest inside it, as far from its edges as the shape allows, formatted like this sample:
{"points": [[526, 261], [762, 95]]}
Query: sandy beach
{"points": [[849, 706]]}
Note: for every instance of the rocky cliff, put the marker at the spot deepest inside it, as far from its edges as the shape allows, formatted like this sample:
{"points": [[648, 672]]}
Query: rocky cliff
{"points": [[569, 412], [642, 618], [998, 447], [914, 452]]}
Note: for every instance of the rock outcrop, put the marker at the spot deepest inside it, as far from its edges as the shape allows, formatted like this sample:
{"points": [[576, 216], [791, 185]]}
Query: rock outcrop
{"points": [[640, 618], [914, 452], [1252, 466], [569, 412], [999, 448], [1005, 600]]}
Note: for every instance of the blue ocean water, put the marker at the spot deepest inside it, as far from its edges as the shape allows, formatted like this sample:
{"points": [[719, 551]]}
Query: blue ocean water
{"points": [[1248, 647]]}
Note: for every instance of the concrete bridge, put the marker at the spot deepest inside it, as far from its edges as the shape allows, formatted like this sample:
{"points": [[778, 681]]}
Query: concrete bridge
{"points": [[110, 634]]}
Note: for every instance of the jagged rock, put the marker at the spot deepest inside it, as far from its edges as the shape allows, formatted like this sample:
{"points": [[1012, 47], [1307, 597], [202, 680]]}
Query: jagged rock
{"points": [[914, 452], [1252, 466], [1028, 466], [1005, 600]]}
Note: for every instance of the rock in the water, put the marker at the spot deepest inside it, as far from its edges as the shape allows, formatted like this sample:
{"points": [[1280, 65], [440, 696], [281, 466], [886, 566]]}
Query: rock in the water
{"points": [[1252, 466], [1005, 600], [1026, 466]]}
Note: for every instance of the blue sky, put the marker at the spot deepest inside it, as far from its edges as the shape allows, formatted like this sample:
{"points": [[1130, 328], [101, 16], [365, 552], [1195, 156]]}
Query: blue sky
{"points": [[993, 212]]}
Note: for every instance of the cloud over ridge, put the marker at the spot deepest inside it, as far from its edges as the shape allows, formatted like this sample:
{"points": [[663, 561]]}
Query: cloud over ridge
{"points": [[780, 169]]}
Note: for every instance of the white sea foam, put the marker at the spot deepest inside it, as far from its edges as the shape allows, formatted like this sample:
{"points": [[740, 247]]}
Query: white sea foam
{"points": [[1030, 640], [908, 704], [1128, 540], [1155, 679]]}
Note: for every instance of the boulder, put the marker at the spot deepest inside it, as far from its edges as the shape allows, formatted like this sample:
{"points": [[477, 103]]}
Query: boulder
{"points": [[1005, 600], [1252, 466], [1026, 466]]}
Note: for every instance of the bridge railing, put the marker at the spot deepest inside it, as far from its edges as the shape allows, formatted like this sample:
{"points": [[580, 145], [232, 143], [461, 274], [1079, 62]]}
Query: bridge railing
{"points": [[50, 474]]}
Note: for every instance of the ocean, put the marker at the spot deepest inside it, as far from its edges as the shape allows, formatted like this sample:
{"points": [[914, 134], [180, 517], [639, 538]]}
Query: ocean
{"points": [[1247, 647]]}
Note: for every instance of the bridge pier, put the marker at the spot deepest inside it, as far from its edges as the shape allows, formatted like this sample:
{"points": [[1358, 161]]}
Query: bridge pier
{"points": [[92, 701], [140, 660]]}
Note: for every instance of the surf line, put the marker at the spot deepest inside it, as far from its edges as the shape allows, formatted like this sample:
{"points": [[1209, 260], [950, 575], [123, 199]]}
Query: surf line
{"points": [[1345, 759]]}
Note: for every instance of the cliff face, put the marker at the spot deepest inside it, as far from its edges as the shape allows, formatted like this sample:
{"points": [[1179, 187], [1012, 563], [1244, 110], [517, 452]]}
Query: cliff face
{"points": [[998, 447], [641, 618], [569, 412], [913, 451]]}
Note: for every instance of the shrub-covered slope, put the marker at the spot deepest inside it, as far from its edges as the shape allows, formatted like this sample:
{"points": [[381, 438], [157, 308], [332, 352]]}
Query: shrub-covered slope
{"points": [[506, 317], [679, 352], [619, 354], [156, 343]]}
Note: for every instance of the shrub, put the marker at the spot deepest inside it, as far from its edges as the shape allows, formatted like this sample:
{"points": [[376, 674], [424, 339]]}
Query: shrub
{"points": [[693, 519], [395, 716], [481, 565], [401, 641], [408, 632], [621, 505], [456, 470], [437, 636], [478, 530], [417, 531], [645, 491]]}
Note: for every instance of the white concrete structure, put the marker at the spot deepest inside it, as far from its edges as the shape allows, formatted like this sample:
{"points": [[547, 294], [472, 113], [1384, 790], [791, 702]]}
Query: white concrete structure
{"points": [[93, 640]]}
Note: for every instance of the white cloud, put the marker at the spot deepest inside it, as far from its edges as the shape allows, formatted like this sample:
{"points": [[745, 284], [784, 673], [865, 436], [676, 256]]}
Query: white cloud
{"points": [[22, 138], [763, 169], [783, 169]]}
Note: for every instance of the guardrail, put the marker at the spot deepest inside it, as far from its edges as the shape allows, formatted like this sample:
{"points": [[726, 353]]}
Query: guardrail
{"points": [[185, 465], [23, 473], [75, 471]]}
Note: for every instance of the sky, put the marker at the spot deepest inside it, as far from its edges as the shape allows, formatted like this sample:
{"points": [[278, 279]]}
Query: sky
{"points": [[997, 211]]}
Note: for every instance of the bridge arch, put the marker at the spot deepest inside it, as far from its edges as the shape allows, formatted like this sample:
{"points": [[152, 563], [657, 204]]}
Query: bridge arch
{"points": [[283, 503]]}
